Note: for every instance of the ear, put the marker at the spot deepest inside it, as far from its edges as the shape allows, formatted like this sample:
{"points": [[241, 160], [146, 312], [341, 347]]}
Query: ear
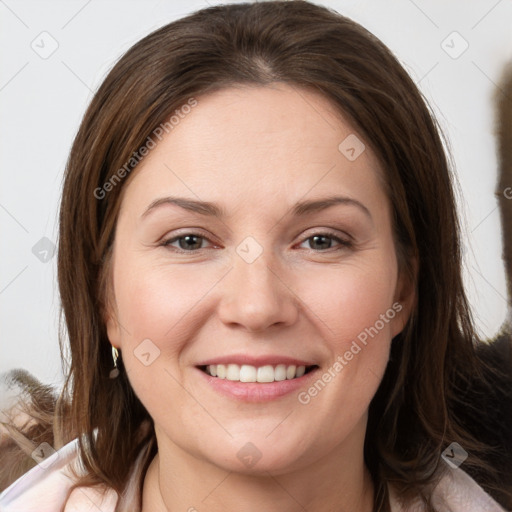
{"points": [[109, 307], [405, 297], [112, 326]]}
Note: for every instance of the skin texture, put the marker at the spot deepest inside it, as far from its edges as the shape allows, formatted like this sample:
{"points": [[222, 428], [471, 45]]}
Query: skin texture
{"points": [[256, 151]]}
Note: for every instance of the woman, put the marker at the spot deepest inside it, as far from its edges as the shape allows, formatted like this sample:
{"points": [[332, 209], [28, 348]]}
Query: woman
{"points": [[221, 356]]}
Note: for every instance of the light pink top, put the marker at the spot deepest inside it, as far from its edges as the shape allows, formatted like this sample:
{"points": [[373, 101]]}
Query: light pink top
{"points": [[45, 487]]}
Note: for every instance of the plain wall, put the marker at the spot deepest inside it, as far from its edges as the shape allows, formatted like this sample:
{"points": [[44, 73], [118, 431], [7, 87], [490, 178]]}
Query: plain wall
{"points": [[42, 101]]}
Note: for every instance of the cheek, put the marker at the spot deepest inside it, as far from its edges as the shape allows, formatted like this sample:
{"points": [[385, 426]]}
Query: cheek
{"points": [[350, 299], [356, 308], [156, 309], [157, 300], [357, 315]]}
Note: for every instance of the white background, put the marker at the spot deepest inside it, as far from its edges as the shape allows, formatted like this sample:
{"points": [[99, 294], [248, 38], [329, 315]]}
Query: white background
{"points": [[43, 100]]}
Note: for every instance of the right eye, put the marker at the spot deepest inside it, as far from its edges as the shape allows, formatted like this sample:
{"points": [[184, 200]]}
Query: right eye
{"points": [[188, 242]]}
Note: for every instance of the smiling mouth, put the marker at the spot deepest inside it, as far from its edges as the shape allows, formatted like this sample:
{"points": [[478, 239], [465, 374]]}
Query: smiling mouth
{"points": [[262, 374]]}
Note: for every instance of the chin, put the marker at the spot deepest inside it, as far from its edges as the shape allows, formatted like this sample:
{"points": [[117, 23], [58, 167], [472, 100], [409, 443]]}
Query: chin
{"points": [[261, 454]]}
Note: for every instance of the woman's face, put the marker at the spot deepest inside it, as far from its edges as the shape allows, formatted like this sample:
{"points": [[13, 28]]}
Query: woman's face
{"points": [[275, 252]]}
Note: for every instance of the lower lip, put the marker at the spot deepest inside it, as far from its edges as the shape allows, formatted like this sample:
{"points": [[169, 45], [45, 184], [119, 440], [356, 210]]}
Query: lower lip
{"points": [[257, 391]]}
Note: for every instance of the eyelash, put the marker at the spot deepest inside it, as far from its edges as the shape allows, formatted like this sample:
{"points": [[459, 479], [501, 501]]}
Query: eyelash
{"points": [[344, 244]]}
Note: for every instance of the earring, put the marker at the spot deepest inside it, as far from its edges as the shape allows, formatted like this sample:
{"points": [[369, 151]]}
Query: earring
{"points": [[115, 371]]}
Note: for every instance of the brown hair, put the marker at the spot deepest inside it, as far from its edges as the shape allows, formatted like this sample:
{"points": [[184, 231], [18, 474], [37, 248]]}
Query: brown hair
{"points": [[423, 402]]}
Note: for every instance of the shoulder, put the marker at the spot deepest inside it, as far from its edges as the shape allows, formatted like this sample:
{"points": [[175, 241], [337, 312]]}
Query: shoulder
{"points": [[455, 492], [459, 492], [46, 487]]}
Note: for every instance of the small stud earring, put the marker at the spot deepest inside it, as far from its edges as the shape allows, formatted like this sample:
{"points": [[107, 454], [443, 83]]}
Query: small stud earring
{"points": [[115, 371]]}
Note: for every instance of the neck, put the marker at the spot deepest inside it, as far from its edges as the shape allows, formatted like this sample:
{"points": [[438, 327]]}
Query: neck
{"points": [[177, 480]]}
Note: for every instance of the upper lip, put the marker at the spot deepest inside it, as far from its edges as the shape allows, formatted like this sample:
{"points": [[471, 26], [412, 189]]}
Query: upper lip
{"points": [[241, 359]]}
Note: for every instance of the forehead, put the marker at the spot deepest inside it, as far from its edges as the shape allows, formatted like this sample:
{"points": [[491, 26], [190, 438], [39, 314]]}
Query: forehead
{"points": [[278, 141]]}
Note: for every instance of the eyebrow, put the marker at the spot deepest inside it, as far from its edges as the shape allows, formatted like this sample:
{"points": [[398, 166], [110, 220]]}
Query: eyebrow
{"points": [[301, 208]]}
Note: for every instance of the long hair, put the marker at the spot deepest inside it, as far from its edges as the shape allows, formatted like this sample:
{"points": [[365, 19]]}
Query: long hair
{"points": [[435, 380]]}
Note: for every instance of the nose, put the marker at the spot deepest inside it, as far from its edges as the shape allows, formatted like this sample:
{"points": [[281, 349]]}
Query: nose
{"points": [[257, 295]]}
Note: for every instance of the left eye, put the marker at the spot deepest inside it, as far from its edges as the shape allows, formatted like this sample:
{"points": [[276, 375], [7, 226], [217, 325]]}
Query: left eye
{"points": [[324, 241]]}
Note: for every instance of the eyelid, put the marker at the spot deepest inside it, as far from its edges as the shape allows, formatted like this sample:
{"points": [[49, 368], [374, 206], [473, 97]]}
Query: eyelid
{"points": [[165, 242], [328, 231]]}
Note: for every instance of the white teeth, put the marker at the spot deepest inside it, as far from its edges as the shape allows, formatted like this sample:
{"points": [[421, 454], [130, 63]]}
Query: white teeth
{"points": [[280, 372], [301, 370], [221, 371], [290, 371], [265, 374], [248, 373], [233, 372]]}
